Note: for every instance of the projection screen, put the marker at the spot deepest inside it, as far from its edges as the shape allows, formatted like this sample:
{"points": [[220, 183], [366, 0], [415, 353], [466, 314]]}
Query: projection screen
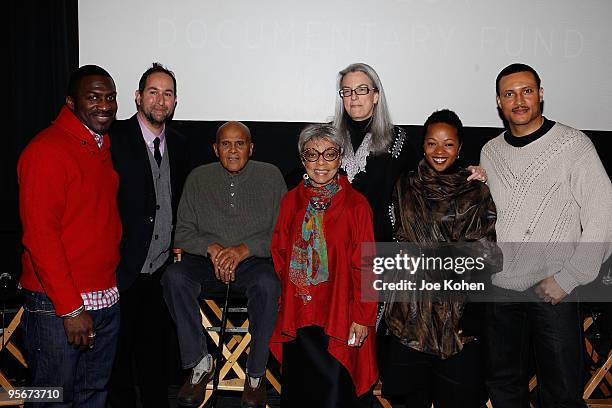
{"points": [[278, 60]]}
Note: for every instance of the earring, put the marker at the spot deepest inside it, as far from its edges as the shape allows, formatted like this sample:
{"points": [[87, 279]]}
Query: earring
{"points": [[305, 176], [457, 156]]}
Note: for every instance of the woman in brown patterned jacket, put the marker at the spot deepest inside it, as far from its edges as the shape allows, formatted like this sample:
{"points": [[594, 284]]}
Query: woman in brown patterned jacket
{"points": [[434, 353]]}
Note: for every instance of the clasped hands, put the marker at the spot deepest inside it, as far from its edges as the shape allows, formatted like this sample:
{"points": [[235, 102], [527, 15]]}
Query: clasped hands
{"points": [[226, 260]]}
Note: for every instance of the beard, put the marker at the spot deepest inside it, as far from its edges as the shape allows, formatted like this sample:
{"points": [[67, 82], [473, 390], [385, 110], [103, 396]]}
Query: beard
{"points": [[157, 120]]}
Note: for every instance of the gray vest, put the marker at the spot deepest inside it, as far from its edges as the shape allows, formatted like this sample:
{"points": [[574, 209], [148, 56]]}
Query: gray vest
{"points": [[162, 230]]}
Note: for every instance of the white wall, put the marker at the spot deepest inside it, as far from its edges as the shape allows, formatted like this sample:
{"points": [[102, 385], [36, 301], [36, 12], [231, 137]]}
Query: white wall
{"points": [[271, 60]]}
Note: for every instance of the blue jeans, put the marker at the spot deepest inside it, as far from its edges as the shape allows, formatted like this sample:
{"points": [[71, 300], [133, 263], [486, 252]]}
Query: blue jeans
{"points": [[53, 362]]}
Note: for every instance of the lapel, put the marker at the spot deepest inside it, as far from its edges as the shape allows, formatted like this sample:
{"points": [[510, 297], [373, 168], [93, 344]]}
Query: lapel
{"points": [[176, 162], [139, 153], [171, 151]]}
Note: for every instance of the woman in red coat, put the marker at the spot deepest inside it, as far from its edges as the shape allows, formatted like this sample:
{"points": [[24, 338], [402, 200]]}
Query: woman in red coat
{"points": [[324, 332]]}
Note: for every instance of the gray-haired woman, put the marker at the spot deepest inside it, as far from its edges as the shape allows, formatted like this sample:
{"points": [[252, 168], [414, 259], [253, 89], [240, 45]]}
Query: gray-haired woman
{"points": [[375, 151], [324, 331]]}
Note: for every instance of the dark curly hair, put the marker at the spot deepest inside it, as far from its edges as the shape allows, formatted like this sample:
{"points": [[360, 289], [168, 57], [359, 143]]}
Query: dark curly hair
{"points": [[445, 116]]}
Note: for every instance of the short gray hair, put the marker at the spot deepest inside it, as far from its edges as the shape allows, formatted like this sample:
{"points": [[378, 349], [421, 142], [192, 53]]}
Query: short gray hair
{"points": [[319, 131]]}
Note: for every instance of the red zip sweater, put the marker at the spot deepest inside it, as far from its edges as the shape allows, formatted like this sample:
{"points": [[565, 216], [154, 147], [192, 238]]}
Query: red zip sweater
{"points": [[68, 208]]}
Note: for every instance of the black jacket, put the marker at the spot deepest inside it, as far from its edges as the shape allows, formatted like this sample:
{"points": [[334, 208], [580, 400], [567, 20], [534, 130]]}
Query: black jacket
{"points": [[136, 197]]}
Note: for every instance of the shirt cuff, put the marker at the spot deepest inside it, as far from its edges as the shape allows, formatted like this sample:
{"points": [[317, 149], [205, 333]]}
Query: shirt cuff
{"points": [[74, 313], [566, 280]]}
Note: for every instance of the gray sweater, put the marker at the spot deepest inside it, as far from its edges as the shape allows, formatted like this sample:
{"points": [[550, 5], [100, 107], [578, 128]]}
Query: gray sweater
{"points": [[554, 203], [217, 206]]}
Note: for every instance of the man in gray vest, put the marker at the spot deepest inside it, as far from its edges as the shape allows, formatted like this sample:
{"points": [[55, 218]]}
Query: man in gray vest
{"points": [[151, 160], [225, 221]]}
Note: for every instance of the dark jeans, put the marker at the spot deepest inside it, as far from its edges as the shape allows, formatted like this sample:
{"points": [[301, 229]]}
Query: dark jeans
{"points": [[421, 379], [53, 362], [184, 283], [556, 336], [147, 353]]}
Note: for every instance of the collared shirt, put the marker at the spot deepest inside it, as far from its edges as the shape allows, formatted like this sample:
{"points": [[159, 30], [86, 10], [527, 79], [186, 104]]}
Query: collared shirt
{"points": [[149, 136], [97, 300], [100, 299], [98, 138]]}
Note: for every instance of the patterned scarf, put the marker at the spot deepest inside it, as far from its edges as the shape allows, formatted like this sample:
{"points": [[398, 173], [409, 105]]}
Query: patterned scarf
{"points": [[309, 264]]}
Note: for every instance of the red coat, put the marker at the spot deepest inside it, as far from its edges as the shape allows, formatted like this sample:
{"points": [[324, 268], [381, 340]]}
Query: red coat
{"points": [[68, 208], [336, 303]]}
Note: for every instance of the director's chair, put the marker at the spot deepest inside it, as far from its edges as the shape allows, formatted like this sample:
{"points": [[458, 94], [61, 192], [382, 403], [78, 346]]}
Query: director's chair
{"points": [[7, 343], [600, 378], [600, 375]]}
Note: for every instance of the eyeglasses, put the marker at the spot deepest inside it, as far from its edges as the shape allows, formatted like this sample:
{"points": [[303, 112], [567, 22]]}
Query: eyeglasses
{"points": [[312, 155], [360, 90]]}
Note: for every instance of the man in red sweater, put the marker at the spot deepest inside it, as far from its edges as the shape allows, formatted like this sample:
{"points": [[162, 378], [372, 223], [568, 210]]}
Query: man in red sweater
{"points": [[71, 234]]}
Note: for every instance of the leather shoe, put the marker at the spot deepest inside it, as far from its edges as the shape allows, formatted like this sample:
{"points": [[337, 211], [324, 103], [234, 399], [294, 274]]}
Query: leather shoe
{"points": [[192, 393], [254, 397]]}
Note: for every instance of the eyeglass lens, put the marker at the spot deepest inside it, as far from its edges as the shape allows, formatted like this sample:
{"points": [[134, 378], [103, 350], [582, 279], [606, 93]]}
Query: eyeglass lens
{"points": [[313, 155], [360, 90]]}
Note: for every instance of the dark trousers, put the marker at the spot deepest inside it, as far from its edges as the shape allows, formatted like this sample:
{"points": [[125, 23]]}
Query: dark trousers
{"points": [[147, 346], [421, 379], [52, 362], [555, 334], [184, 283], [312, 377]]}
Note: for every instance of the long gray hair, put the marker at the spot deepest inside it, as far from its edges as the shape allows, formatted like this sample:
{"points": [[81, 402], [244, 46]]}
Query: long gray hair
{"points": [[381, 128]]}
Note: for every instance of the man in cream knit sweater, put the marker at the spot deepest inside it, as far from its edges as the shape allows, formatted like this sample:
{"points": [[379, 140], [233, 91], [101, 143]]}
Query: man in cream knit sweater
{"points": [[554, 201]]}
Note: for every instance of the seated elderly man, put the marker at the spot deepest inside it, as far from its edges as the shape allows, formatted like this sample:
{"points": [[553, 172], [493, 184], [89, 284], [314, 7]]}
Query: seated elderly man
{"points": [[224, 224]]}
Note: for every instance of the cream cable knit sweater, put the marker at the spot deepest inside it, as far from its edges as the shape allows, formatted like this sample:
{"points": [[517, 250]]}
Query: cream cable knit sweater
{"points": [[554, 203]]}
